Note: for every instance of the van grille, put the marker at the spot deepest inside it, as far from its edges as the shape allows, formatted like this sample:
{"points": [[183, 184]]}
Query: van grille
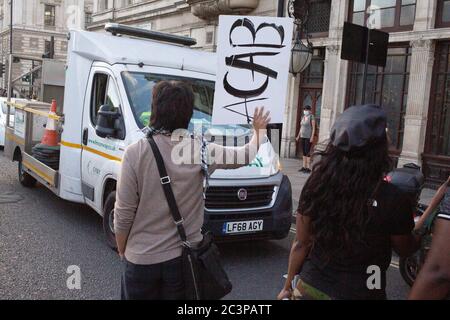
{"points": [[218, 198]]}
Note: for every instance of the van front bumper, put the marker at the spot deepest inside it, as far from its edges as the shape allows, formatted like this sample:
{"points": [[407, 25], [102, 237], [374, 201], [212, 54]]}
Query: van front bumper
{"points": [[277, 219]]}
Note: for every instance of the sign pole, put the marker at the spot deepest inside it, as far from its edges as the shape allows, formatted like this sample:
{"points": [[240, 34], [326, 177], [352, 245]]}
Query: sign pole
{"points": [[10, 89], [366, 67]]}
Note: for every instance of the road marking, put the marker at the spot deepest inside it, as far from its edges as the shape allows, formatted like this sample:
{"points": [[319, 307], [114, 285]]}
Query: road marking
{"points": [[10, 198]]}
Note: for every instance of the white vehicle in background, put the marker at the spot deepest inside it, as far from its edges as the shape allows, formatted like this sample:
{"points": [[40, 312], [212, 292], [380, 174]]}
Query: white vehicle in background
{"points": [[107, 95], [3, 111]]}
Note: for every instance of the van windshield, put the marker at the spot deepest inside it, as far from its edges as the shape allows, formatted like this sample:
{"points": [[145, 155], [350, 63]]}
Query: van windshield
{"points": [[139, 86]]}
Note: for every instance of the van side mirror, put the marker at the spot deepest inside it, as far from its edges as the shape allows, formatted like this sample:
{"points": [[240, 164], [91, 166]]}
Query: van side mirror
{"points": [[106, 121]]}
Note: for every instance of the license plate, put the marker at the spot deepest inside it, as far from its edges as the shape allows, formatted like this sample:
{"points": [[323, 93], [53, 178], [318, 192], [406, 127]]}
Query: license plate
{"points": [[242, 226]]}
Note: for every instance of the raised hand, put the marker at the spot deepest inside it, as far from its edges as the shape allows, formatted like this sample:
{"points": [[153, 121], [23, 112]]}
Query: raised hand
{"points": [[260, 119]]}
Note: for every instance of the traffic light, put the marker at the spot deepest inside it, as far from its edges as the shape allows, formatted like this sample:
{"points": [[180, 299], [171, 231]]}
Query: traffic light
{"points": [[2, 69], [27, 78]]}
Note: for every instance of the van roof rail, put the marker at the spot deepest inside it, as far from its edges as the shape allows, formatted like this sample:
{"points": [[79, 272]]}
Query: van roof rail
{"points": [[120, 29]]}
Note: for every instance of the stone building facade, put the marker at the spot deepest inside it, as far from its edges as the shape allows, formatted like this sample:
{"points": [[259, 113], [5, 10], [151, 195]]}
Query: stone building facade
{"points": [[414, 87], [34, 23]]}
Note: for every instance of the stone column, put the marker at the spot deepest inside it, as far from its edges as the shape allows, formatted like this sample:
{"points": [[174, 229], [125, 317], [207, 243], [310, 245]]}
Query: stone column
{"points": [[335, 77], [420, 79], [288, 144]]}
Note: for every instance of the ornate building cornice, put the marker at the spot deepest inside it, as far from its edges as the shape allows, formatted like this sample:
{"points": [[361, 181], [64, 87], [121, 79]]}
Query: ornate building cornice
{"points": [[424, 44], [211, 9]]}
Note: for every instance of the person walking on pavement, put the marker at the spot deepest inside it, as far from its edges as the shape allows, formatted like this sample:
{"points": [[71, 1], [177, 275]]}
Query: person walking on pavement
{"points": [[306, 136], [349, 219], [147, 238], [433, 281]]}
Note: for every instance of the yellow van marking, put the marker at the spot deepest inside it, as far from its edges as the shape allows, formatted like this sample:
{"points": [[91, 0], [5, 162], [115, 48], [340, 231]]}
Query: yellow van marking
{"points": [[38, 172], [15, 138], [71, 145], [92, 150], [102, 154]]}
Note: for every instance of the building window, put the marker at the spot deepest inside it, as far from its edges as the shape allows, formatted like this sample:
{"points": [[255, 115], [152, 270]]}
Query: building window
{"points": [[47, 46], [209, 37], [102, 5], [49, 15], [439, 113], [387, 87], [443, 14], [436, 156], [389, 15], [87, 18], [315, 71], [319, 17]]}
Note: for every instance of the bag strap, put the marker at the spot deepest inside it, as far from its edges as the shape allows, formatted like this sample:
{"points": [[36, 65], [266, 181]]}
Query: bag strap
{"points": [[168, 192]]}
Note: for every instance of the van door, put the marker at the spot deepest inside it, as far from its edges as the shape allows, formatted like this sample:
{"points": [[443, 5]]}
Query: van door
{"points": [[100, 155]]}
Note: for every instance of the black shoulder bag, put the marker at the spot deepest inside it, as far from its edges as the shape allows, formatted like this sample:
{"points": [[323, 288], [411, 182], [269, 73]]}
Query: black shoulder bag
{"points": [[204, 276]]}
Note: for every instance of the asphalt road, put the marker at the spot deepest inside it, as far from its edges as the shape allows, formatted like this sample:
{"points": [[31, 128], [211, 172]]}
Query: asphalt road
{"points": [[42, 235]]}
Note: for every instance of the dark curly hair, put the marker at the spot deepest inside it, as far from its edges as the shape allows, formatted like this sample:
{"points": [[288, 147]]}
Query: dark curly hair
{"points": [[336, 194], [172, 105]]}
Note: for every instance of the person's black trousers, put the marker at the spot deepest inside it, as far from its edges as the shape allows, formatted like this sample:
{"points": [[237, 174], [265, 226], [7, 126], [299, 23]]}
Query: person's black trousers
{"points": [[162, 281]]}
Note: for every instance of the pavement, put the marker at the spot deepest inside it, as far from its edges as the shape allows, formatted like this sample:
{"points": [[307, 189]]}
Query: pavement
{"points": [[42, 235]]}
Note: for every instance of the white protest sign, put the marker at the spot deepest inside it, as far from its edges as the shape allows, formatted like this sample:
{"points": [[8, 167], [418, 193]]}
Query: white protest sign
{"points": [[253, 67]]}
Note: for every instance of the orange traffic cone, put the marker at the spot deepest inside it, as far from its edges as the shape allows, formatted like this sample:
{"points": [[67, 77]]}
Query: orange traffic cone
{"points": [[50, 137]]}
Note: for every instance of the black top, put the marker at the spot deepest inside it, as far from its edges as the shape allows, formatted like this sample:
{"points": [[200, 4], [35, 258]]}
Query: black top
{"points": [[345, 277]]}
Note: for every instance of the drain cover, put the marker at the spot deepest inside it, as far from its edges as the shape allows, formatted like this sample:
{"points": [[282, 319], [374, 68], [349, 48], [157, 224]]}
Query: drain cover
{"points": [[10, 198]]}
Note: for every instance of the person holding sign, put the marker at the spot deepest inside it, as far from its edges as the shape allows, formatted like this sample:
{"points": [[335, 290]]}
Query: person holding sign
{"points": [[306, 136], [146, 236]]}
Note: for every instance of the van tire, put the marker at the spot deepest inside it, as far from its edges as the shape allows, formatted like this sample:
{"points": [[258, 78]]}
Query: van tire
{"points": [[108, 220], [25, 178]]}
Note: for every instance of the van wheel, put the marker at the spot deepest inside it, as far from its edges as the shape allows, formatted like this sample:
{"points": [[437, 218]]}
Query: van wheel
{"points": [[108, 220], [25, 179]]}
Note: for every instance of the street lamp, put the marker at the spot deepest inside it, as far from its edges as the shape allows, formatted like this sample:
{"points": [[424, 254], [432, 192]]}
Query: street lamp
{"points": [[301, 56], [302, 53]]}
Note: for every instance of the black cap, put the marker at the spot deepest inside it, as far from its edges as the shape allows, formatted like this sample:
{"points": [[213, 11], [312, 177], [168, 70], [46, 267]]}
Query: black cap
{"points": [[359, 126]]}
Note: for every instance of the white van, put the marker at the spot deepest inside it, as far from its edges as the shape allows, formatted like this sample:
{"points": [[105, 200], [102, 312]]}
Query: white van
{"points": [[3, 111], [120, 71]]}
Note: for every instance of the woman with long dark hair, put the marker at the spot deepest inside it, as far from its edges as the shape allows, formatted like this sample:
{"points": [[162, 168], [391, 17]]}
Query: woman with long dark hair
{"points": [[349, 219]]}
